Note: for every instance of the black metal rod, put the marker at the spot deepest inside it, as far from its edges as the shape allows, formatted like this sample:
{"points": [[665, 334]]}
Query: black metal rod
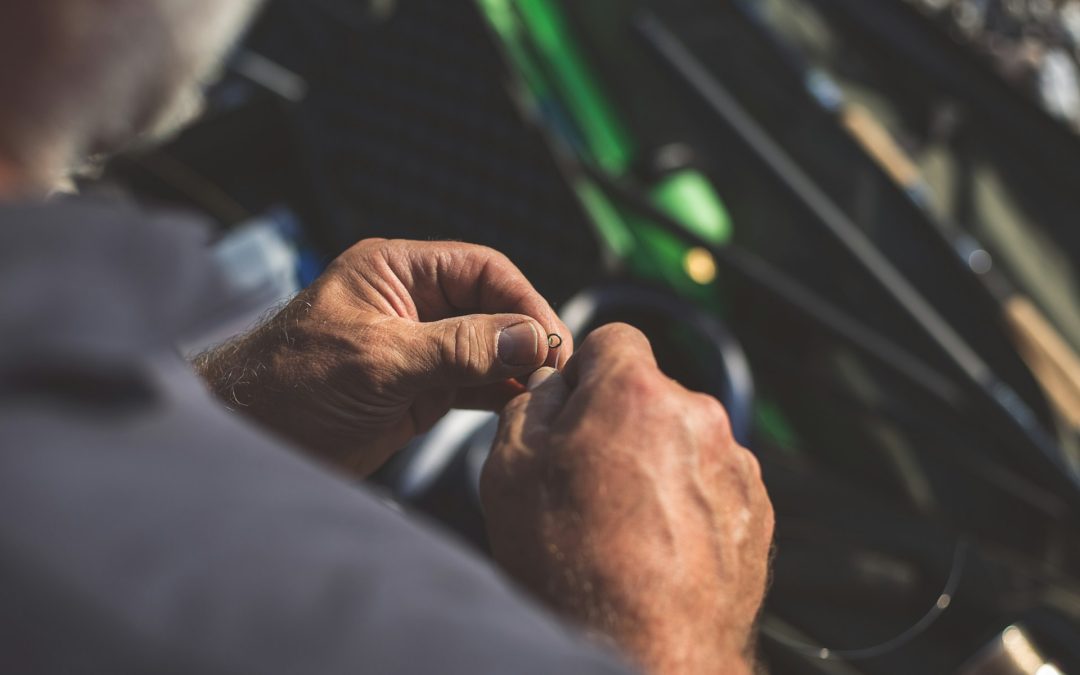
{"points": [[998, 396], [795, 295]]}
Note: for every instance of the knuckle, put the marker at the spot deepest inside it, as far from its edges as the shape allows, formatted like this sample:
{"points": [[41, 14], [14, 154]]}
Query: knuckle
{"points": [[486, 254], [617, 340], [485, 257], [768, 514], [752, 465], [357, 257], [637, 382], [614, 334], [366, 247], [714, 414], [466, 351], [493, 256], [514, 409]]}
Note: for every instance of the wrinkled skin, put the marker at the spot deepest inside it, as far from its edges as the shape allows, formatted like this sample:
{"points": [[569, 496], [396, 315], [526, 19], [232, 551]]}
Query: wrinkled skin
{"points": [[615, 495], [391, 337], [622, 500]]}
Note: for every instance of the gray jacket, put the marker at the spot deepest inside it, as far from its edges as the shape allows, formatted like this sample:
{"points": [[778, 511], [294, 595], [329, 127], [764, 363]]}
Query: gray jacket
{"points": [[144, 529]]}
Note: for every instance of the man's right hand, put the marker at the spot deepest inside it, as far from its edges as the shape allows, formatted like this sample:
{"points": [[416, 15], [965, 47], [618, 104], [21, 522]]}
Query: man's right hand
{"points": [[622, 500]]}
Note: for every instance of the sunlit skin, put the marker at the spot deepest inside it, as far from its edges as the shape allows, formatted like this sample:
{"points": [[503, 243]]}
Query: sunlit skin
{"points": [[618, 498], [623, 501]]}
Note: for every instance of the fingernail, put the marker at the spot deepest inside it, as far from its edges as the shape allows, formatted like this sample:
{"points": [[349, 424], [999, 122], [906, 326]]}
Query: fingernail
{"points": [[519, 344], [540, 376]]}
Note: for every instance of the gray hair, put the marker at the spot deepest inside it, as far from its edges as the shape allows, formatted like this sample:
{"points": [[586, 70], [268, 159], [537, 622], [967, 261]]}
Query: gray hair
{"points": [[86, 77]]}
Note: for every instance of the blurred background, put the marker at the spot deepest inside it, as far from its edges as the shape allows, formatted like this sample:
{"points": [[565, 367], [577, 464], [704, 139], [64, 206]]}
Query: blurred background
{"points": [[854, 222]]}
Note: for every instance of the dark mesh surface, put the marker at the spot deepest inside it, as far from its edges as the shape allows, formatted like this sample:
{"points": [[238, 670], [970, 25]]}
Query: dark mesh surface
{"points": [[412, 133]]}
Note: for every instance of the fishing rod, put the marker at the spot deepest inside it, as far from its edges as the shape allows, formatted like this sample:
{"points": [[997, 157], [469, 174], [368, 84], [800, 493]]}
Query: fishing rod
{"points": [[551, 31], [879, 349], [603, 148], [536, 38], [997, 396], [1052, 361], [920, 46], [602, 133], [794, 295]]}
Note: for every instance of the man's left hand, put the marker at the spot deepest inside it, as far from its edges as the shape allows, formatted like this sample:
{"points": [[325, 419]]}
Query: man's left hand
{"points": [[389, 339]]}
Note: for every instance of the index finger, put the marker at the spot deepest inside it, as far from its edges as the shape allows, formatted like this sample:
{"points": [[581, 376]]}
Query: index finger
{"points": [[605, 349]]}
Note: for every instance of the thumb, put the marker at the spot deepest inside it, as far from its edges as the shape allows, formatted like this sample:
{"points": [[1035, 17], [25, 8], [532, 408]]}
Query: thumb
{"points": [[479, 349]]}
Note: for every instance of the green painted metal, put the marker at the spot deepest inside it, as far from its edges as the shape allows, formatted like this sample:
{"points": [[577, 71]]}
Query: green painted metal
{"points": [[607, 219], [504, 20], [689, 197], [609, 143], [557, 77], [537, 40]]}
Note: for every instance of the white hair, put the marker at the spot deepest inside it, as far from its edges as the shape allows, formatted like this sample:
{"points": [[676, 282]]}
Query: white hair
{"points": [[86, 77]]}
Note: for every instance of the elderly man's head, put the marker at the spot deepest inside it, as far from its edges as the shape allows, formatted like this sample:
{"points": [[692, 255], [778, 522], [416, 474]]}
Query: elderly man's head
{"points": [[79, 77]]}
